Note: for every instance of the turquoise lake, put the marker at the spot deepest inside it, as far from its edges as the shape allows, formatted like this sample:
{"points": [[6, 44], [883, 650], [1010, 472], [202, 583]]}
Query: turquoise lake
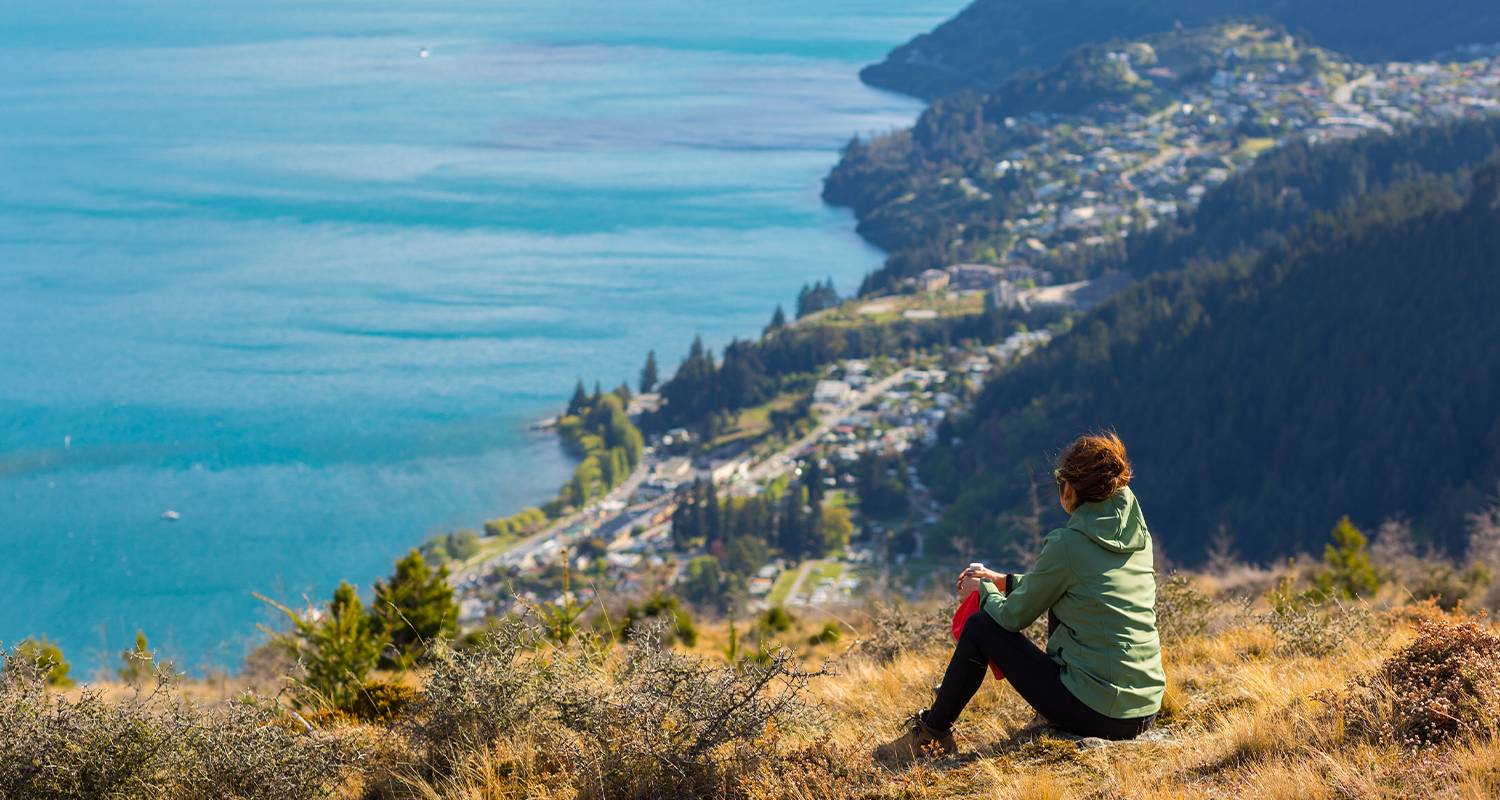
{"points": [[263, 264]]}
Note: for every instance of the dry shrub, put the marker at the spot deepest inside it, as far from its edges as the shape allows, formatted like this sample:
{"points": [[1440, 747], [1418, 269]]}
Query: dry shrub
{"points": [[154, 744], [1310, 623], [382, 701], [1183, 611], [643, 721], [897, 628], [1443, 685]]}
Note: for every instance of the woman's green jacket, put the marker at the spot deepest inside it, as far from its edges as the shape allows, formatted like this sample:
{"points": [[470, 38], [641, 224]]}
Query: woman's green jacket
{"points": [[1096, 575]]}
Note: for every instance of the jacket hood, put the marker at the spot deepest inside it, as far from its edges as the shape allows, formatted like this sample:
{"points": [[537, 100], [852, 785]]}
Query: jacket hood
{"points": [[1115, 524]]}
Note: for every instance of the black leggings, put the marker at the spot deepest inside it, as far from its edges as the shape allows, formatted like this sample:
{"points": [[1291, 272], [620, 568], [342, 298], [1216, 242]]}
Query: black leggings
{"points": [[1036, 677]]}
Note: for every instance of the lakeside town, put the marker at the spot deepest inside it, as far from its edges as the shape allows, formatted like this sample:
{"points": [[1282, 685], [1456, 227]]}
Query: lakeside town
{"points": [[1121, 166], [1095, 176]]}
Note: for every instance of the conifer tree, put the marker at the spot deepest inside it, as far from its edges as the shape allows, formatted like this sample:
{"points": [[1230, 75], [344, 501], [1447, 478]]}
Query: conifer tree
{"points": [[562, 622], [648, 373], [778, 320], [1347, 571], [413, 609], [336, 649], [713, 523], [579, 401]]}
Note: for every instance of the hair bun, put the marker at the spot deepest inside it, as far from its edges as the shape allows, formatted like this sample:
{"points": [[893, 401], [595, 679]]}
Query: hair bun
{"points": [[1096, 466]]}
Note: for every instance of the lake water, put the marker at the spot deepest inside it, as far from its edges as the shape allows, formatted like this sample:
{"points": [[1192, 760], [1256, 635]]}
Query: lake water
{"points": [[263, 264]]}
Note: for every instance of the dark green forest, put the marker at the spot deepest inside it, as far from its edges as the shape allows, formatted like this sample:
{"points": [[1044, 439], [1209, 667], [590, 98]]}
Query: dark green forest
{"points": [[1348, 369], [992, 39]]}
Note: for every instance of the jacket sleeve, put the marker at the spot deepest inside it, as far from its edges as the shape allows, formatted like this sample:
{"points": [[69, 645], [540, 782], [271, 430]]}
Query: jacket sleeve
{"points": [[1032, 594]]}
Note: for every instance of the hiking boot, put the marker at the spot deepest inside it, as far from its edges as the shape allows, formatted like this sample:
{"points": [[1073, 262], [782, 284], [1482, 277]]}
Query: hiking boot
{"points": [[918, 742]]}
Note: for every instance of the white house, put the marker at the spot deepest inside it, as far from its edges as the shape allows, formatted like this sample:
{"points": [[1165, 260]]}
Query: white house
{"points": [[828, 392]]}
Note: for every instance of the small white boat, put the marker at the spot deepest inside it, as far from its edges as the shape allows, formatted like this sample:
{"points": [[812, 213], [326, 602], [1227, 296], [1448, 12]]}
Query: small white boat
{"points": [[423, 53], [170, 515]]}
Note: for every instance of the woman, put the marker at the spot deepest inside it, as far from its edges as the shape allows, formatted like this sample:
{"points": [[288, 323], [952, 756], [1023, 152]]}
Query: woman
{"points": [[1101, 674]]}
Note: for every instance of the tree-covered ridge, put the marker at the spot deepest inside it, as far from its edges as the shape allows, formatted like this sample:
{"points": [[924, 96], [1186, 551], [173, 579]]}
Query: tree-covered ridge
{"points": [[991, 40], [1349, 370], [704, 389]]}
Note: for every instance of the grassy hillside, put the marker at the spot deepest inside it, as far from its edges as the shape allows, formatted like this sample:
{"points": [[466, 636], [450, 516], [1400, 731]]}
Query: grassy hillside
{"points": [[990, 40], [1274, 690]]}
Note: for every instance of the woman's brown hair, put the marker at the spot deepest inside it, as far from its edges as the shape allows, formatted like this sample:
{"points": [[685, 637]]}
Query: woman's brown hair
{"points": [[1095, 465]]}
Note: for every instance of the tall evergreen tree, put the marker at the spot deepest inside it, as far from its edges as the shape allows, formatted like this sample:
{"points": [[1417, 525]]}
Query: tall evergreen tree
{"points": [[778, 321], [648, 373], [792, 523], [579, 401], [812, 478], [712, 519]]}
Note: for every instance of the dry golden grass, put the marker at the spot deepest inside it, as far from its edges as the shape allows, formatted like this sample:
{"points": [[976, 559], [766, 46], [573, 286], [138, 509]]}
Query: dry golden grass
{"points": [[1242, 715], [1239, 716]]}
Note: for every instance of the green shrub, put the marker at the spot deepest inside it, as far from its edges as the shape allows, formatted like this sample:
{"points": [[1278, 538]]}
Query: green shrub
{"points": [[138, 663], [829, 633], [518, 524], [1181, 610], [659, 606], [383, 701], [334, 651], [413, 608], [47, 657], [777, 620], [1441, 583], [1310, 623], [645, 721], [896, 629]]}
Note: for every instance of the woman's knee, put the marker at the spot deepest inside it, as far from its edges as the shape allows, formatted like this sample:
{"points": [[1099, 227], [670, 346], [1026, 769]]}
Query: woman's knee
{"points": [[980, 627]]}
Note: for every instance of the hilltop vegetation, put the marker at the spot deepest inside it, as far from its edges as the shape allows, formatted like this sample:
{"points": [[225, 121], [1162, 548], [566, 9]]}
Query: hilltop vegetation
{"points": [[991, 40], [1273, 685]]}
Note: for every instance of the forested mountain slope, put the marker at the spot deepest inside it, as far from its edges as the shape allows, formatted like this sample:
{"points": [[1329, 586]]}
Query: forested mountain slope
{"points": [[1352, 370], [991, 39]]}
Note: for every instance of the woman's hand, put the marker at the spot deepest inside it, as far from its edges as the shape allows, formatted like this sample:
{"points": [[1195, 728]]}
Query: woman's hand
{"points": [[970, 578]]}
